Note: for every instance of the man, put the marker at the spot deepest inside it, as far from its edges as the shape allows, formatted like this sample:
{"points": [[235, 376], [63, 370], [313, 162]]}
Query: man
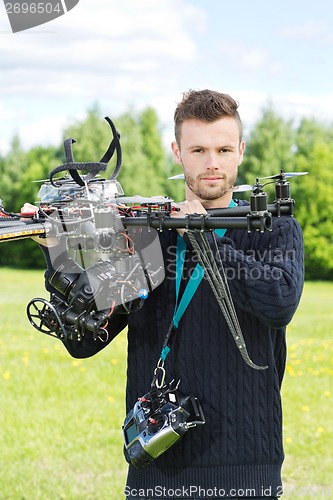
{"points": [[238, 452], [209, 147]]}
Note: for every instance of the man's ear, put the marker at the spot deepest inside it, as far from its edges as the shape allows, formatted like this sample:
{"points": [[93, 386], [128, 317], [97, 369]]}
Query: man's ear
{"points": [[176, 152], [241, 151]]}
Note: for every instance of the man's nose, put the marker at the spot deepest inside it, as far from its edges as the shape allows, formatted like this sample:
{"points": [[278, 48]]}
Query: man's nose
{"points": [[212, 162]]}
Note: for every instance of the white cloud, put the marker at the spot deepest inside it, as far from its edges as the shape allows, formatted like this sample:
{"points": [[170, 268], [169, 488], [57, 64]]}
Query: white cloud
{"points": [[318, 107], [255, 58], [136, 53], [46, 130], [118, 53], [98, 36], [290, 106], [308, 30], [196, 19], [238, 56], [98, 49]]}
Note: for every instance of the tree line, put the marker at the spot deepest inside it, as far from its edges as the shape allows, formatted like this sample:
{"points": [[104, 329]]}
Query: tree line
{"points": [[272, 144]]}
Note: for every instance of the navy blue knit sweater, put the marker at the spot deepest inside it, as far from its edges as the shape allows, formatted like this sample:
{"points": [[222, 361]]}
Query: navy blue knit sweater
{"points": [[240, 445]]}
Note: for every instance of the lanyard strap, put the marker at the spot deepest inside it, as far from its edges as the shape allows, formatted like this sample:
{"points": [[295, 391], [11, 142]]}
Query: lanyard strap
{"points": [[195, 278], [189, 291]]}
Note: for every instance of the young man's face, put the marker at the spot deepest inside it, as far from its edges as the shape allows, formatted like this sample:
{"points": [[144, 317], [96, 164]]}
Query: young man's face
{"points": [[210, 153]]}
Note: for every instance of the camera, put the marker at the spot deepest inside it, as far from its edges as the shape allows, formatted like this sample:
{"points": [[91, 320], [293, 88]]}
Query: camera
{"points": [[83, 300], [157, 421]]}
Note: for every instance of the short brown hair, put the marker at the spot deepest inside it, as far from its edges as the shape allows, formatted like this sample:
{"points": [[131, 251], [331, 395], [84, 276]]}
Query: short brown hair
{"points": [[205, 105]]}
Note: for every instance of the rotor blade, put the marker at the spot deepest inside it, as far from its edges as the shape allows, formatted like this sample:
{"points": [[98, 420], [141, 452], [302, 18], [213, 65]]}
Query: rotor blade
{"points": [[285, 175], [139, 200], [294, 174], [241, 188], [176, 177]]}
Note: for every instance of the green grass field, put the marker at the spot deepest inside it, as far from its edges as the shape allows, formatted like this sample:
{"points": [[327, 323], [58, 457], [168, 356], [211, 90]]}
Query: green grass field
{"points": [[60, 418]]}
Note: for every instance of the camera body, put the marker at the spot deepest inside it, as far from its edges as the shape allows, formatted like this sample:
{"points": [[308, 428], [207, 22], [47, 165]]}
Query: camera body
{"points": [[84, 299], [157, 421]]}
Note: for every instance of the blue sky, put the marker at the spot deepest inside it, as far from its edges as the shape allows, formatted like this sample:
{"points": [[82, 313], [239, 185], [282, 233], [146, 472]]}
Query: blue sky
{"points": [[136, 53]]}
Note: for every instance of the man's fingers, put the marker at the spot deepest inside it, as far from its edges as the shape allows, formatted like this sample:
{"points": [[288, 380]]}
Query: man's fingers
{"points": [[28, 208]]}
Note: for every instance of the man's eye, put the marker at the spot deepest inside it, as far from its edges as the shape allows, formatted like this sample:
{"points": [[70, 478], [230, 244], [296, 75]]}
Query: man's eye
{"points": [[198, 150], [225, 150]]}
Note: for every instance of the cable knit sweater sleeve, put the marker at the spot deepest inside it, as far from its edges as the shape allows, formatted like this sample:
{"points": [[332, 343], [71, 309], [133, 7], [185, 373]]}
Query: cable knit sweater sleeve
{"points": [[266, 279]]}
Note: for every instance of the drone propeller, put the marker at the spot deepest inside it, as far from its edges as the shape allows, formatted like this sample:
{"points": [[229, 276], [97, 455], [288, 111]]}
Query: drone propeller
{"points": [[281, 176], [242, 188], [140, 200], [239, 189], [176, 177], [40, 180], [247, 187], [284, 175]]}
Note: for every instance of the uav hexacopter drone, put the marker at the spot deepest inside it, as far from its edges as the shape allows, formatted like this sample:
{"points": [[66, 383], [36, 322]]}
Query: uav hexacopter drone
{"points": [[108, 258]]}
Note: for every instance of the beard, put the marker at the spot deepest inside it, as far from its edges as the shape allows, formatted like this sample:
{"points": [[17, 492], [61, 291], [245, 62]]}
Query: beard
{"points": [[210, 192]]}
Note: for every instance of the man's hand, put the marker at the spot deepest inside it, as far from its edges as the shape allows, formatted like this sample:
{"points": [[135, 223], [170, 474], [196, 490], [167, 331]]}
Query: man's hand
{"points": [[29, 209], [187, 207]]}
